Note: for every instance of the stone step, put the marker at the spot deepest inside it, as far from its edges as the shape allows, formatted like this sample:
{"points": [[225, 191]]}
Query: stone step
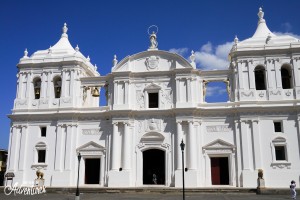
{"points": [[164, 190]]}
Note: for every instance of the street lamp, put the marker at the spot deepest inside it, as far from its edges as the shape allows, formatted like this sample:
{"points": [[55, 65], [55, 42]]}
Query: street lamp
{"points": [[182, 145], [77, 197]]}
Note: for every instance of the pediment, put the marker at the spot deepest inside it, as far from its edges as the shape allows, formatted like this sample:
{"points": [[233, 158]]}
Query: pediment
{"points": [[91, 146], [152, 137], [152, 86], [219, 144], [152, 61], [279, 139]]}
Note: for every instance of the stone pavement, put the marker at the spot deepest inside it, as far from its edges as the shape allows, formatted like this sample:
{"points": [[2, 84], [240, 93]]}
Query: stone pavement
{"points": [[146, 196]]}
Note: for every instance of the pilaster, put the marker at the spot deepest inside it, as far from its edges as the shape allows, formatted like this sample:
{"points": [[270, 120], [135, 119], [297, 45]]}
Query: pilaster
{"points": [[191, 148], [238, 157], [177, 91], [277, 74], [126, 148], [29, 85], [23, 148], [256, 144], [63, 83], [115, 147], [178, 149], [44, 85], [59, 149], [245, 145]]}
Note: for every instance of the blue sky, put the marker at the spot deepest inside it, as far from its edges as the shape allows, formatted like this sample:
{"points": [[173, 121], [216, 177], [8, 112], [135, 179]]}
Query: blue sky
{"points": [[104, 28]]}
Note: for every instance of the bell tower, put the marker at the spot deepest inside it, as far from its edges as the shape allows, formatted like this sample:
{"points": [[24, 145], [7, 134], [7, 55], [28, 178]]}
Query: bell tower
{"points": [[51, 78], [266, 66]]}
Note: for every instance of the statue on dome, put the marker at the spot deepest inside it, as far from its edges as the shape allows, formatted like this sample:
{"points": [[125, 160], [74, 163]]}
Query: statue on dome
{"points": [[153, 41]]}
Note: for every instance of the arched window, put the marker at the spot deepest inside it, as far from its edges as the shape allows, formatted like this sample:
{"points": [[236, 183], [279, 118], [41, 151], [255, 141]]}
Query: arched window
{"points": [[57, 86], [286, 77], [259, 73], [37, 87]]}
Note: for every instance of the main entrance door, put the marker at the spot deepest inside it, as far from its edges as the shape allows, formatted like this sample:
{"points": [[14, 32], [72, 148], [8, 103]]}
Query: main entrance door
{"points": [[219, 170], [153, 167], [92, 171]]}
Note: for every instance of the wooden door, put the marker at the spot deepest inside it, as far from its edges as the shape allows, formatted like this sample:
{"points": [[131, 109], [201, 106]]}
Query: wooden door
{"points": [[215, 171]]}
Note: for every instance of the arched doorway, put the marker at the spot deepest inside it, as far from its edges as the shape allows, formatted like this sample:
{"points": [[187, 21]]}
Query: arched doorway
{"points": [[154, 167]]}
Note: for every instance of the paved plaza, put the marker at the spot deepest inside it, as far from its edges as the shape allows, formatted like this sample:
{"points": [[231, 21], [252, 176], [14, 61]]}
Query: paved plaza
{"points": [[147, 196]]}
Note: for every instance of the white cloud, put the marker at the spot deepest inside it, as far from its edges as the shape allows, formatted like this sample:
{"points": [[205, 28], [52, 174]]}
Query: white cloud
{"points": [[207, 47], [287, 33], [209, 57], [215, 90], [180, 51], [209, 61], [222, 50]]}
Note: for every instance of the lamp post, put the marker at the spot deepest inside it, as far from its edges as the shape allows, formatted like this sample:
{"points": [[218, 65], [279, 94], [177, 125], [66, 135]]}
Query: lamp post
{"points": [[182, 145], [77, 197]]}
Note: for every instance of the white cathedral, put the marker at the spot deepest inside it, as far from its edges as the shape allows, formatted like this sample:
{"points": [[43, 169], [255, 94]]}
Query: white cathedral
{"points": [[155, 100]]}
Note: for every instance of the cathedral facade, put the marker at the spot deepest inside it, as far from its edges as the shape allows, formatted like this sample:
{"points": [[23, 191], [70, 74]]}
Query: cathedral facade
{"points": [[155, 102]]}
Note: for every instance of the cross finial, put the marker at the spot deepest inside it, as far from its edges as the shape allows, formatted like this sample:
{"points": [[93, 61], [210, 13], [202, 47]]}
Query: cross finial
{"points": [[64, 30], [115, 61], [192, 57], [77, 48], [25, 53], [260, 14], [236, 39]]}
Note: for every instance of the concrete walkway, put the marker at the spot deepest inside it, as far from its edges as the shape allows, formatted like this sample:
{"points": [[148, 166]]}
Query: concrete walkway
{"points": [[144, 196]]}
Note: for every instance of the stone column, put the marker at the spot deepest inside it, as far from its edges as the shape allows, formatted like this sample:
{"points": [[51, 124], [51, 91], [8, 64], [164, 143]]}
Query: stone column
{"points": [[21, 86], [207, 169], [29, 86], [251, 76], [63, 83], [296, 65], [238, 150], [50, 87], [245, 145], [72, 79], [236, 86], [126, 148], [233, 170], [256, 144], [178, 149], [69, 147], [188, 88], [115, 157], [277, 74], [18, 95], [115, 92], [240, 75], [191, 148], [268, 75], [43, 85], [102, 168], [23, 148], [126, 96], [59, 150], [9, 148], [13, 149], [177, 91]]}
